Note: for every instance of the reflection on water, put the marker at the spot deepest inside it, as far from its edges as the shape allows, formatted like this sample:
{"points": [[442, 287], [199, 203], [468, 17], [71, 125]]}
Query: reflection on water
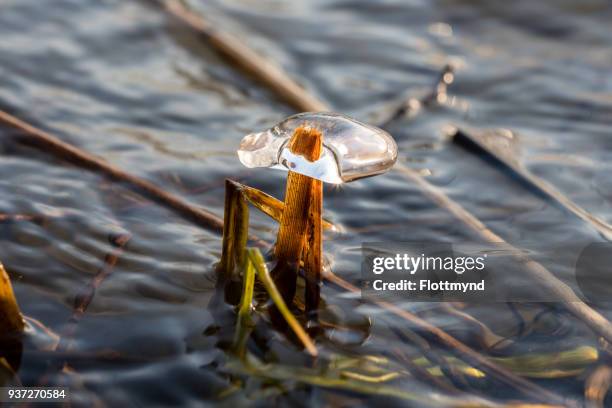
{"points": [[121, 81]]}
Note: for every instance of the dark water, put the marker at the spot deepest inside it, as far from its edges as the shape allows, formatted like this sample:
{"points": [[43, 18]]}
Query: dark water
{"points": [[119, 79]]}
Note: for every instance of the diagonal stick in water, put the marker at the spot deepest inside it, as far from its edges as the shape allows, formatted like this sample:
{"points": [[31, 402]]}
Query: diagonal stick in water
{"points": [[473, 143], [247, 59], [52, 144]]}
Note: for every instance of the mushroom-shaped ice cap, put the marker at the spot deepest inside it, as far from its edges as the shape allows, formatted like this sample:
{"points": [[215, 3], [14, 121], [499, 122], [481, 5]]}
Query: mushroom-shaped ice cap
{"points": [[351, 149]]}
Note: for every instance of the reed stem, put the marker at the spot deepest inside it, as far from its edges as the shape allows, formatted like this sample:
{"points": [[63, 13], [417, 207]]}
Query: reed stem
{"points": [[235, 232], [314, 250], [301, 196]]}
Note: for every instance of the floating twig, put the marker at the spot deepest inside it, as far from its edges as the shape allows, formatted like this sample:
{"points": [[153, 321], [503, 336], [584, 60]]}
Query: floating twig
{"points": [[485, 146]]}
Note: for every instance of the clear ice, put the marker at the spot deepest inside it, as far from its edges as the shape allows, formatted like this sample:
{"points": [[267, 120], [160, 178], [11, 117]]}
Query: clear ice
{"points": [[351, 149]]}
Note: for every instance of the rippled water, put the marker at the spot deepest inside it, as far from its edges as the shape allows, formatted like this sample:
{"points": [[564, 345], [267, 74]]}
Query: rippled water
{"points": [[121, 80]]}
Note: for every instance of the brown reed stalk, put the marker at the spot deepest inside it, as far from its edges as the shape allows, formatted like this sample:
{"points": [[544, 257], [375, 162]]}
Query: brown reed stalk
{"points": [[302, 197], [313, 264], [235, 232], [273, 207]]}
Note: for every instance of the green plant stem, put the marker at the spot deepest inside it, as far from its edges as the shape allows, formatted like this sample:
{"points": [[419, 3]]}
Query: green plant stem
{"points": [[244, 323], [263, 274], [307, 376]]}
